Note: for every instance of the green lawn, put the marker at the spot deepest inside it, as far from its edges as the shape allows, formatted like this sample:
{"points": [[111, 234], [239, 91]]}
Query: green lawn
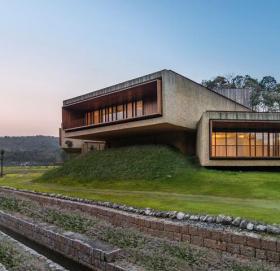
{"points": [[169, 182]]}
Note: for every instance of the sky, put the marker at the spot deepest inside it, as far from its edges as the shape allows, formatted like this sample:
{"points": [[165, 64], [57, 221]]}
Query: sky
{"points": [[51, 50]]}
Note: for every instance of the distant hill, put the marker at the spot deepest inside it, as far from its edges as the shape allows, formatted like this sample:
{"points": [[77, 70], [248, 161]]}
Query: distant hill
{"points": [[31, 150]]}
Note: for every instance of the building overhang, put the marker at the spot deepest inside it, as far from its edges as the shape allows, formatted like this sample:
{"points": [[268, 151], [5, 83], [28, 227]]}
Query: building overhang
{"points": [[121, 132]]}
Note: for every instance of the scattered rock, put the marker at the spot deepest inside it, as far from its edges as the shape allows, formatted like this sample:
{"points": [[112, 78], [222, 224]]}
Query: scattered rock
{"points": [[250, 226], [148, 211], [180, 215], [227, 220], [260, 228], [220, 219], [211, 219], [243, 224], [203, 218], [273, 229], [236, 222], [194, 217], [172, 214]]}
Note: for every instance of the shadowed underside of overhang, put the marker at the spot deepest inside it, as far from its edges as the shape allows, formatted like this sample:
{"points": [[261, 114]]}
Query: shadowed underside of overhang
{"points": [[128, 132]]}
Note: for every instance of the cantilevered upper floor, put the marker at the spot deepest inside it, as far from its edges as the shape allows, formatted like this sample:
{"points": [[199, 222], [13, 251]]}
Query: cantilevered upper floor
{"points": [[155, 103]]}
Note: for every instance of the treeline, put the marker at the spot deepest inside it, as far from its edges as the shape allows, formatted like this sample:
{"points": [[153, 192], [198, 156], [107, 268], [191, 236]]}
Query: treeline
{"points": [[31, 150], [265, 93]]}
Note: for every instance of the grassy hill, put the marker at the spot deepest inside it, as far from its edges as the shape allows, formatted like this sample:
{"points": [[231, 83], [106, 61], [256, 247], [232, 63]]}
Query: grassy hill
{"points": [[160, 178], [131, 163], [30, 149]]}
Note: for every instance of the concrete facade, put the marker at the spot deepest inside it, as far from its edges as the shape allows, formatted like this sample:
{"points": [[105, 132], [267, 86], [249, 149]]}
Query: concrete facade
{"points": [[182, 122], [72, 145], [203, 138], [240, 95], [183, 102]]}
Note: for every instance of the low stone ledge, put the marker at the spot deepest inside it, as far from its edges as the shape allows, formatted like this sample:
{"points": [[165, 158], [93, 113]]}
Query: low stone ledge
{"points": [[52, 265], [215, 236], [74, 249], [237, 222]]}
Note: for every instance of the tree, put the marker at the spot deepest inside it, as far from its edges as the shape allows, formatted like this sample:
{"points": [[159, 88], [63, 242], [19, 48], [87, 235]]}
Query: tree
{"points": [[217, 83], [268, 83], [238, 81], [265, 94]]}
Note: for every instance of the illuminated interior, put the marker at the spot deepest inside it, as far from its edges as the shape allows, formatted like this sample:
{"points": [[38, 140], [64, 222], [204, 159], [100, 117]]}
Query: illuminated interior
{"points": [[245, 144], [114, 113], [134, 103]]}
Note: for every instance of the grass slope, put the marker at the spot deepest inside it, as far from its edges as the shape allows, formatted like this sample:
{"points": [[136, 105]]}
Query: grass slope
{"points": [[161, 178], [132, 163]]}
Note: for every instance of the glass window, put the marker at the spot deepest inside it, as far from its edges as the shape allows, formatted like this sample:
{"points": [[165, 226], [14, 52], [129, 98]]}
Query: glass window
{"points": [[120, 112], [231, 144], [139, 108], [253, 151], [243, 138], [213, 139], [231, 138], [252, 139], [220, 138], [96, 116], [259, 138], [243, 151], [265, 151], [265, 139], [259, 151], [103, 115], [129, 110], [221, 151], [114, 113], [231, 151], [213, 150], [110, 113]]}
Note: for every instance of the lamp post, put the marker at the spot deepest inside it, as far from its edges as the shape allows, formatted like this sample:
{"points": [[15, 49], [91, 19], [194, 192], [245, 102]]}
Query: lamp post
{"points": [[1, 160]]}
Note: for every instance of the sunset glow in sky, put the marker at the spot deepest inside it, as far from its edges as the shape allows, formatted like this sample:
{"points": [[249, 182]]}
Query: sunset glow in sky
{"points": [[54, 50]]}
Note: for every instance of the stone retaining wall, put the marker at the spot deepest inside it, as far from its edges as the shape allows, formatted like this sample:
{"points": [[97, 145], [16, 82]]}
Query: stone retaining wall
{"points": [[24, 250], [74, 249], [224, 239]]}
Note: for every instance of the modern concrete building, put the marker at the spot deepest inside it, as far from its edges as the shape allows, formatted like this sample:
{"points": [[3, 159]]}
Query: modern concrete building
{"points": [[167, 108]]}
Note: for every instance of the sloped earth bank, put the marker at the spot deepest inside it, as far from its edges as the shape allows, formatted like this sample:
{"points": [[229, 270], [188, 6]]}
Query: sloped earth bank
{"points": [[139, 251], [15, 256]]}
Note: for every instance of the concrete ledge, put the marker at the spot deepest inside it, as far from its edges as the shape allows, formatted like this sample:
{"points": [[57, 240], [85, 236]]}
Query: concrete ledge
{"points": [[74, 249], [24, 250]]}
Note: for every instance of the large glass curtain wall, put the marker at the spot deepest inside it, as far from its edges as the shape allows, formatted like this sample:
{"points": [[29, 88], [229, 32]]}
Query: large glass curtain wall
{"points": [[245, 144]]}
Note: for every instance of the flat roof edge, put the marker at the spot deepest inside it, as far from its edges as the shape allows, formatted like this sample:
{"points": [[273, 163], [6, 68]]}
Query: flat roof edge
{"points": [[113, 88], [243, 115]]}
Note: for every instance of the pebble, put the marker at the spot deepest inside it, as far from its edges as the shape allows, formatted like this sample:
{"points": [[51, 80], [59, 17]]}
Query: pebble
{"points": [[236, 222], [250, 226], [180, 215], [243, 224]]}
